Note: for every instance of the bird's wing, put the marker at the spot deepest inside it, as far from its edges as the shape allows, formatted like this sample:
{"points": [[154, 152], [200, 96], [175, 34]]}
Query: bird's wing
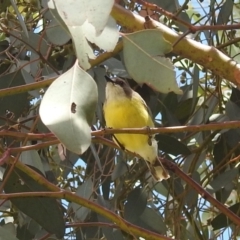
{"points": [[149, 112]]}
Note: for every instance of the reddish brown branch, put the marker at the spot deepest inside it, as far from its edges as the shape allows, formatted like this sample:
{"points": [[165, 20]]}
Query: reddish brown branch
{"points": [[72, 197], [30, 136], [158, 9], [91, 224], [32, 147], [109, 131], [193, 128], [200, 190], [191, 28]]}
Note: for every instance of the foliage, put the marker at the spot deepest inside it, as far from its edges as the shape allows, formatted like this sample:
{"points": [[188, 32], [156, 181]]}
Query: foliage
{"points": [[62, 175]]}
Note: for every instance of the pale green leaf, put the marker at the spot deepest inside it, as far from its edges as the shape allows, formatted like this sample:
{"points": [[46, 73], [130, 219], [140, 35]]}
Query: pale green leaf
{"points": [[108, 38], [81, 35], [83, 50], [68, 107], [32, 158], [85, 191], [56, 34], [154, 220], [88, 21], [144, 59], [220, 181], [8, 232], [75, 13], [20, 18]]}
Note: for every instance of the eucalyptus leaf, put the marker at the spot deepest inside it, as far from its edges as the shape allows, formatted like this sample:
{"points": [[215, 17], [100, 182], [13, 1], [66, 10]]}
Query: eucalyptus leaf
{"points": [[75, 13], [221, 220], [68, 107], [108, 232], [154, 220], [88, 21], [144, 59], [171, 145], [56, 34], [169, 5], [191, 197], [133, 211], [225, 12], [7, 232], [20, 18], [120, 169], [205, 111], [36, 43], [232, 111], [33, 159], [195, 85], [44, 210], [85, 191], [220, 182], [16, 103]]}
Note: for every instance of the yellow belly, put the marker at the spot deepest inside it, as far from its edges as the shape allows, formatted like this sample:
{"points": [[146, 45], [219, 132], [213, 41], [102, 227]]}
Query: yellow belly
{"points": [[129, 113]]}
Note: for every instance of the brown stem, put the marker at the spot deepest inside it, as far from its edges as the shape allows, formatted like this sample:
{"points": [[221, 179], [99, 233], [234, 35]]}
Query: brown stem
{"points": [[193, 128], [204, 194], [207, 56], [72, 197], [110, 131]]}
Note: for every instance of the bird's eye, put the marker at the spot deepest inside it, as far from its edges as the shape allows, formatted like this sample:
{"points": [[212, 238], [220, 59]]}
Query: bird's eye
{"points": [[121, 83]]}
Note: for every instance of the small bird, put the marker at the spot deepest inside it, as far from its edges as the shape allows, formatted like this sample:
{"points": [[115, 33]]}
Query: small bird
{"points": [[125, 108]]}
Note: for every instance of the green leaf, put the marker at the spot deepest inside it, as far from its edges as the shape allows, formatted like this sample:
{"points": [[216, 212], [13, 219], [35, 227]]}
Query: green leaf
{"points": [[33, 40], [191, 197], [20, 18], [232, 110], [23, 233], [75, 13], [154, 220], [56, 34], [220, 182], [120, 169], [107, 231], [33, 159], [171, 145], [44, 210], [86, 33], [184, 109], [188, 163], [220, 149], [68, 107], [16, 103], [144, 59], [195, 86], [85, 190], [225, 12], [132, 211], [221, 220], [8, 232], [88, 21], [205, 111]]}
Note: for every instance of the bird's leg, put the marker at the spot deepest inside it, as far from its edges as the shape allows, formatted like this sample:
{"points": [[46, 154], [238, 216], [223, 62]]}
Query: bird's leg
{"points": [[118, 143], [149, 136], [116, 140]]}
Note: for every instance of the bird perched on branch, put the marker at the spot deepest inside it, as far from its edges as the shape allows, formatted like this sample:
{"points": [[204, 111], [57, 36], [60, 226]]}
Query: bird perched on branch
{"points": [[125, 108]]}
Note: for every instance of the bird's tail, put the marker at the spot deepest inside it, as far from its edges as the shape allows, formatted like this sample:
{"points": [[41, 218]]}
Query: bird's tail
{"points": [[158, 171]]}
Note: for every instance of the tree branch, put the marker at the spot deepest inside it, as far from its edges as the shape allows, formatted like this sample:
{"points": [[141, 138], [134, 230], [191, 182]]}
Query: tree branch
{"points": [[144, 130], [200, 190], [207, 56], [72, 197]]}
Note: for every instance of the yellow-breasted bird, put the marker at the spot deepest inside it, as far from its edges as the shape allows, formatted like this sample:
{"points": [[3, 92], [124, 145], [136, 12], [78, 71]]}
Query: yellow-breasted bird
{"points": [[125, 108]]}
